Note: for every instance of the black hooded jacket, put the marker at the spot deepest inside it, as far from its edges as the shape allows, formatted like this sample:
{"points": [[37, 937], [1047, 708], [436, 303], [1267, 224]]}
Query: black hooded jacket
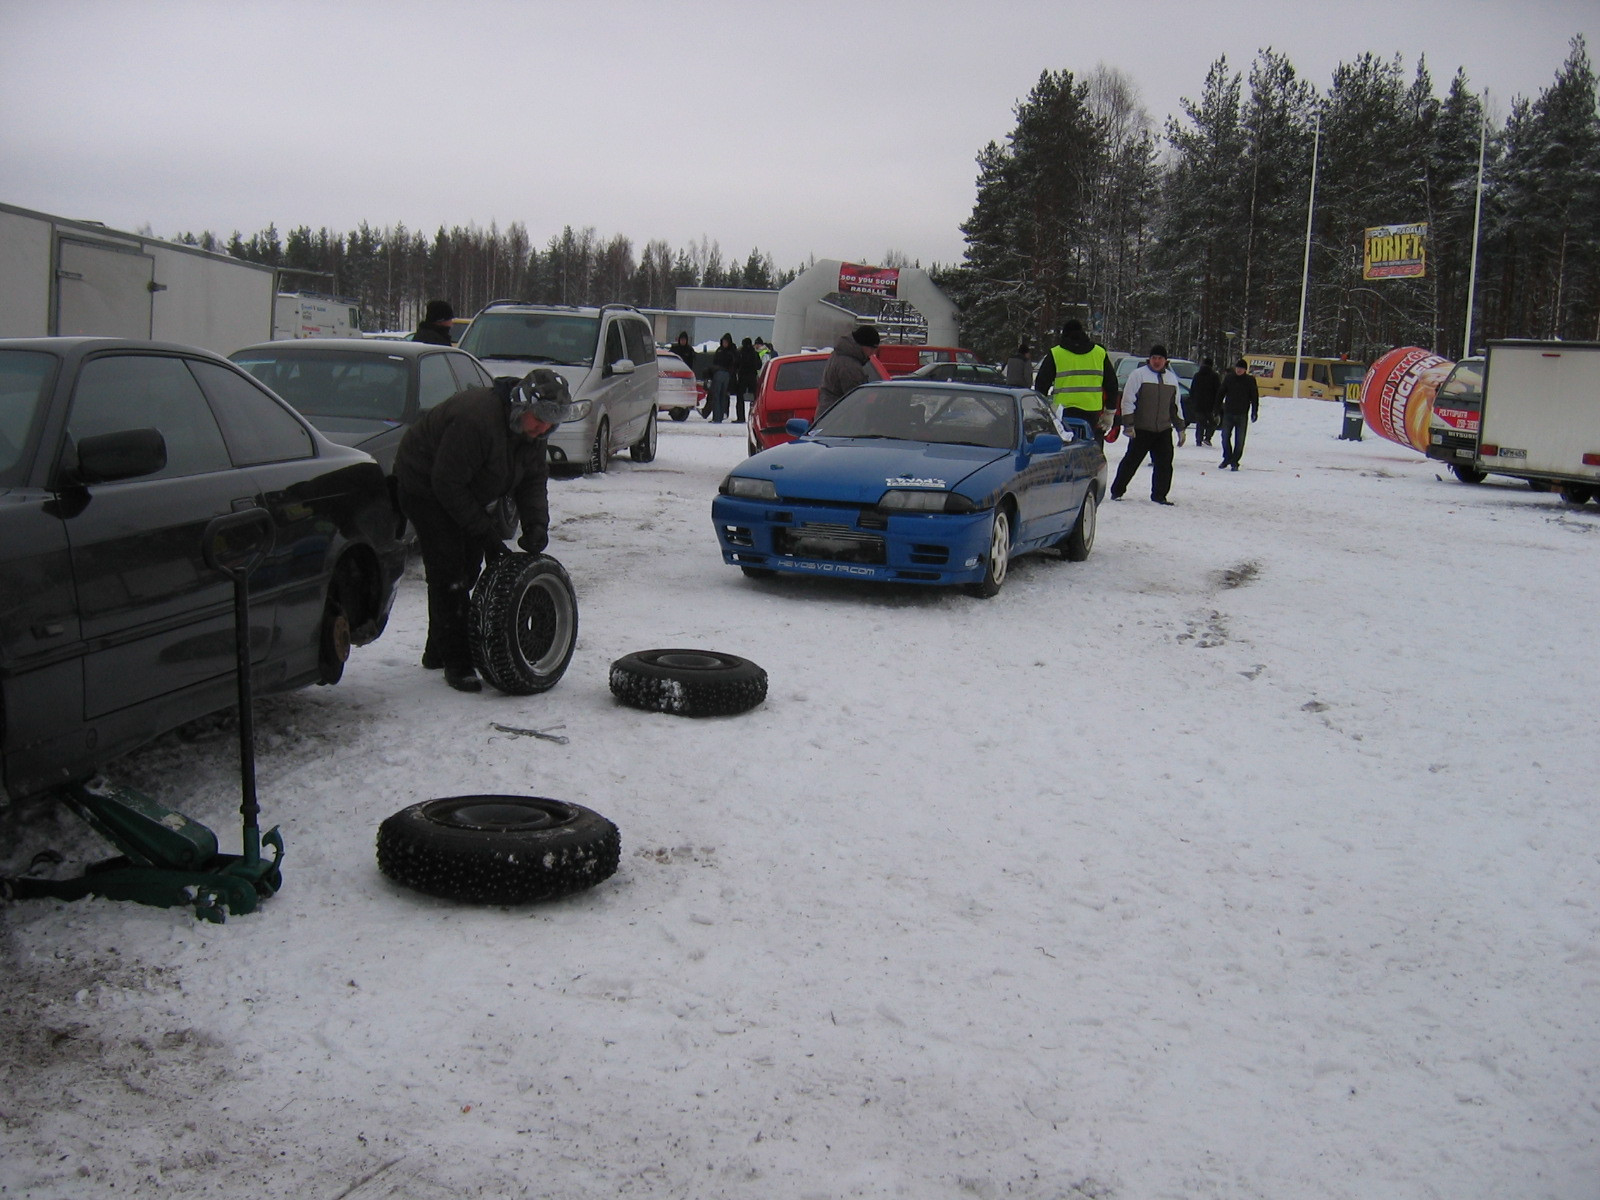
{"points": [[462, 453]]}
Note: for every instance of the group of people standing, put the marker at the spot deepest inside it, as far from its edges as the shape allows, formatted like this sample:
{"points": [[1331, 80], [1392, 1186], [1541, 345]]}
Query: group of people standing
{"points": [[734, 372], [1079, 378]]}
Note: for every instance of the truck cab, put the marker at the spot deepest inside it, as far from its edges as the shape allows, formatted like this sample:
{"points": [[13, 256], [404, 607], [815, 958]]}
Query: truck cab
{"points": [[1453, 424]]}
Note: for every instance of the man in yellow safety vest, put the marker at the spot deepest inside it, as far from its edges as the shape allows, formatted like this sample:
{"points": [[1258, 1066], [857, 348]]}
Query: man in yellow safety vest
{"points": [[1078, 377]]}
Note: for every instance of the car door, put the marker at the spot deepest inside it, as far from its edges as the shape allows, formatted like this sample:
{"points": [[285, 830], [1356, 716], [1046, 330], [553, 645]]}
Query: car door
{"points": [[640, 393], [155, 618], [1048, 493], [41, 679]]}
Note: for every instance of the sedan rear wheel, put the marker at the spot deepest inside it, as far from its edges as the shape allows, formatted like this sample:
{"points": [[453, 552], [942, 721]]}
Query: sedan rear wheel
{"points": [[998, 558]]}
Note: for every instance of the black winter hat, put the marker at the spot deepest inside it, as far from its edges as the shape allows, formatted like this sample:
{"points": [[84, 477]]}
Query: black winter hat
{"points": [[1158, 351], [866, 335], [439, 313]]}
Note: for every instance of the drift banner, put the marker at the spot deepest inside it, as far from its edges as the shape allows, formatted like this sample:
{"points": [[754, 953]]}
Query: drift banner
{"points": [[1397, 394], [1395, 252], [869, 281]]}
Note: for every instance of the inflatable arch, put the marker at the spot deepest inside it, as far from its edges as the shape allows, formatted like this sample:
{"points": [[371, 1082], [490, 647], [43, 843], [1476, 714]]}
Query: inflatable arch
{"points": [[910, 284]]}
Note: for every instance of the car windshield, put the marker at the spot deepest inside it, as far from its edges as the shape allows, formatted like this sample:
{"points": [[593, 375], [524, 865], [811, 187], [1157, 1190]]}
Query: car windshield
{"points": [[945, 416], [1348, 372], [25, 377], [334, 383], [1465, 385], [565, 338]]}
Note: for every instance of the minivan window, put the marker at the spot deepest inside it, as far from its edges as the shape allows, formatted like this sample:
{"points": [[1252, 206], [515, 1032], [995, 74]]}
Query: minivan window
{"points": [[640, 345], [565, 338]]}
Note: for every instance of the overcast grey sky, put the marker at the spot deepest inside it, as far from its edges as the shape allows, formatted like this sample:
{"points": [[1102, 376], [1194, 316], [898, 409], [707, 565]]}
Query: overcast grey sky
{"points": [[802, 127]]}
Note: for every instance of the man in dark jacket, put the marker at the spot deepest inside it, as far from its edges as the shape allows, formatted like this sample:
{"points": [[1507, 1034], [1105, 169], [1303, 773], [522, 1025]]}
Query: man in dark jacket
{"points": [[1078, 377], [435, 325], [1202, 406], [1241, 400], [461, 456], [846, 368]]}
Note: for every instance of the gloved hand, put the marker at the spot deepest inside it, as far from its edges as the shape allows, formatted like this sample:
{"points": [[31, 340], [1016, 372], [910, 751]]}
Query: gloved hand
{"points": [[494, 547], [1183, 436], [532, 542]]}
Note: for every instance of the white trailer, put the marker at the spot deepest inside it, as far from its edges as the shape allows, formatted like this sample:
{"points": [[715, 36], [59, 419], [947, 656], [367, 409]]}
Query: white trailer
{"points": [[65, 277], [312, 315], [1541, 415]]}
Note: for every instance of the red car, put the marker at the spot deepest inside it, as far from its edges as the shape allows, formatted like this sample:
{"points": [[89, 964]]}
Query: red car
{"points": [[786, 389]]}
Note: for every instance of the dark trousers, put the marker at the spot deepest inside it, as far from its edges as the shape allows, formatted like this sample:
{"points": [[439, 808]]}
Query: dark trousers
{"points": [[452, 563], [719, 394], [1205, 428], [1234, 427], [1158, 445]]}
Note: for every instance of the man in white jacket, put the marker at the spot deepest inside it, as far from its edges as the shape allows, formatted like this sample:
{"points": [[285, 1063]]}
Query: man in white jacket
{"points": [[1149, 411]]}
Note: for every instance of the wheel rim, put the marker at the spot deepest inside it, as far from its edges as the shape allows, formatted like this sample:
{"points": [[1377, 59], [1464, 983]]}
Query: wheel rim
{"points": [[689, 660], [1087, 521], [598, 451], [545, 625], [999, 547], [650, 436], [499, 814]]}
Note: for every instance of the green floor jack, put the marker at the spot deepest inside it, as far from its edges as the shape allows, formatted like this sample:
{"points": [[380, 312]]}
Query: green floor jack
{"points": [[168, 860]]}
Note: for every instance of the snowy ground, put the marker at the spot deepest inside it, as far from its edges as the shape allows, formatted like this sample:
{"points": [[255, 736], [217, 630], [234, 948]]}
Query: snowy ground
{"points": [[1254, 857]]}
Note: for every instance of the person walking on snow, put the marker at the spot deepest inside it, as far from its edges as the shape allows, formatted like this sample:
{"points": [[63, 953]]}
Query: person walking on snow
{"points": [[1150, 409], [1240, 398], [1201, 406]]}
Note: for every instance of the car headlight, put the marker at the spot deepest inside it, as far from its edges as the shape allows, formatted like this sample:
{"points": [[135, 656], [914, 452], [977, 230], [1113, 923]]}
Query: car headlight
{"points": [[749, 489], [921, 500], [580, 410]]}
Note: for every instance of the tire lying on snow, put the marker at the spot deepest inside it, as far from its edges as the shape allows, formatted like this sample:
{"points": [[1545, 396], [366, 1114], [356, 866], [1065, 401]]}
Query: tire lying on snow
{"points": [[498, 849], [524, 623], [688, 683]]}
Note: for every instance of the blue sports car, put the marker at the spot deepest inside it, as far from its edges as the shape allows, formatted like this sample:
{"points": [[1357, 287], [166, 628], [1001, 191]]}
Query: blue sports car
{"points": [[916, 482]]}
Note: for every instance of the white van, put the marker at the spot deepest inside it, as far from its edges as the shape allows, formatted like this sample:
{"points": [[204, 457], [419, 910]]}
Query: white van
{"points": [[308, 315]]}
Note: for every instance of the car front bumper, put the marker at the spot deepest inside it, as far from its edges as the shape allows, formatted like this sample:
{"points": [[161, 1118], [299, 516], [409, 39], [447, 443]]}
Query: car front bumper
{"points": [[850, 543]]}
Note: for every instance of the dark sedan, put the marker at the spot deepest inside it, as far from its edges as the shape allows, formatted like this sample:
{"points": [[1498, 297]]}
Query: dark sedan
{"points": [[365, 392], [114, 458]]}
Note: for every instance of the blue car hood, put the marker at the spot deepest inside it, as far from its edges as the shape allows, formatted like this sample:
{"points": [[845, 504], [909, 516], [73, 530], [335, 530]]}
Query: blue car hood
{"points": [[858, 471]]}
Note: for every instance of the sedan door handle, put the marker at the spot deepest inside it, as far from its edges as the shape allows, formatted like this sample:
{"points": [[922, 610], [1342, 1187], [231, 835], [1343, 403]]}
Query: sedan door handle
{"points": [[245, 504]]}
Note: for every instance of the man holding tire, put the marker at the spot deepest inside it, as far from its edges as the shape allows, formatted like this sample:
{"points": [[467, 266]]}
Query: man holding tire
{"points": [[464, 454]]}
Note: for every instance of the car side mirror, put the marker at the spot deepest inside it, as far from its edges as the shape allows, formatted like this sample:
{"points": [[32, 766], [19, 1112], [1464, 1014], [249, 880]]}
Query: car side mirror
{"points": [[623, 366], [1078, 430], [1047, 443], [126, 454], [796, 426]]}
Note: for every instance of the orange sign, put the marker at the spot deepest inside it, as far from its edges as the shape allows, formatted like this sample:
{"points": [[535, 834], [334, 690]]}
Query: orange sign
{"points": [[1397, 394]]}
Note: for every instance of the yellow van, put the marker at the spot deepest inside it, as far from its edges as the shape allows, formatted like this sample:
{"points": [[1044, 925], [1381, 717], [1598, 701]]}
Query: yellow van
{"points": [[1320, 378]]}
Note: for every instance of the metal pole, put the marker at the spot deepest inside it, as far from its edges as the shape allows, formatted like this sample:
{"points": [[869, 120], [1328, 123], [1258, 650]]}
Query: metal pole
{"points": [[1305, 270], [1477, 220]]}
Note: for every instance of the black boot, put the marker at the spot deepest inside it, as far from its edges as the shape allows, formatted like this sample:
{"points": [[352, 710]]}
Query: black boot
{"points": [[463, 679]]}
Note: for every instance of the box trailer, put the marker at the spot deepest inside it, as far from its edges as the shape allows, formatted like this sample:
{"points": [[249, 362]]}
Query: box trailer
{"points": [[61, 277], [1540, 416], [313, 315]]}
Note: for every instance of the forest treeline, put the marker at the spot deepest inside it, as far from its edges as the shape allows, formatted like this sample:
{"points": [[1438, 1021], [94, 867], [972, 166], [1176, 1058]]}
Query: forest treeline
{"points": [[1194, 234]]}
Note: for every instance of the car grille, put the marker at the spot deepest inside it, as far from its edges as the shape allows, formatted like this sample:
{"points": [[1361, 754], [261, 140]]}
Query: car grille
{"points": [[830, 543]]}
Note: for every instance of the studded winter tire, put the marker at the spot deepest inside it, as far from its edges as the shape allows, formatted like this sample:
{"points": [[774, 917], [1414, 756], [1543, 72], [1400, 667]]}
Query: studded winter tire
{"points": [[524, 623], [688, 683], [498, 849]]}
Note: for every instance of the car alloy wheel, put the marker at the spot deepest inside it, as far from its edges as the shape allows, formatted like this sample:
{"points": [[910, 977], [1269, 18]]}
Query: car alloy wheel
{"points": [[599, 450], [997, 560], [644, 450]]}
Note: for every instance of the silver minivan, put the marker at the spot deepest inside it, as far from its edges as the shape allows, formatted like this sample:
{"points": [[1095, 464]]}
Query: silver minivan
{"points": [[607, 355]]}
